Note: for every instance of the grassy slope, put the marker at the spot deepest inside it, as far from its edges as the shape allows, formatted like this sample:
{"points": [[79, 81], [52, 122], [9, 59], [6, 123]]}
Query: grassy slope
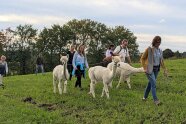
{"points": [[125, 106]]}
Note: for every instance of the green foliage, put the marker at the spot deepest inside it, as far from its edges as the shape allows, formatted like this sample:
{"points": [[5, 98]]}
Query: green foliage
{"points": [[124, 105], [168, 53], [20, 48], [51, 42]]}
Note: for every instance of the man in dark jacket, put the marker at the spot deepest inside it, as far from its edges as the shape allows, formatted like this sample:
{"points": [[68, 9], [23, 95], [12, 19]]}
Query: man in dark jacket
{"points": [[39, 64]]}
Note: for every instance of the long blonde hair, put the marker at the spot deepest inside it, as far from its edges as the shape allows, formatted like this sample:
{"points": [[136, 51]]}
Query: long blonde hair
{"points": [[79, 49]]}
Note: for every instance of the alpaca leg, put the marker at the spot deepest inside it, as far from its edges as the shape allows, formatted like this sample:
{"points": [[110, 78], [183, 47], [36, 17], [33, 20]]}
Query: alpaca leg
{"points": [[60, 87], [90, 92], [106, 90], [65, 87], [120, 80], [92, 88], [103, 92], [54, 84], [110, 84], [128, 82]]}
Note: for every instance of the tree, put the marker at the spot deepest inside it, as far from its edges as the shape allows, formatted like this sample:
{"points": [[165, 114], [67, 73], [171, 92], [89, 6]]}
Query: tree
{"points": [[2, 41], [177, 54], [167, 53], [25, 36]]}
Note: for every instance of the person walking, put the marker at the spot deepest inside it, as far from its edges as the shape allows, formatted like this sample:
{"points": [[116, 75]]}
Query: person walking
{"points": [[108, 55], [3, 69], [70, 54], [123, 51], [151, 61], [39, 64], [79, 63]]}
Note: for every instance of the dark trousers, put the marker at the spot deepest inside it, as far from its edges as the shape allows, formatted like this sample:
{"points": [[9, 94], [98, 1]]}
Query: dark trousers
{"points": [[79, 73], [2, 70], [70, 68]]}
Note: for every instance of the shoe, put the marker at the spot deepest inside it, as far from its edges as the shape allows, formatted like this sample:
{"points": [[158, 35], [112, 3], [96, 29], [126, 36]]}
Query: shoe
{"points": [[144, 99], [157, 102]]}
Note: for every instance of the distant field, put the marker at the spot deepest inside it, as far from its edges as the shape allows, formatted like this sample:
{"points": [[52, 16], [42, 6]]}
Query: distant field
{"points": [[30, 99]]}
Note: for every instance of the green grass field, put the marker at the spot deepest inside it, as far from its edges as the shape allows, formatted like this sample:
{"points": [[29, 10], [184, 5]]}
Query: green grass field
{"points": [[124, 105]]}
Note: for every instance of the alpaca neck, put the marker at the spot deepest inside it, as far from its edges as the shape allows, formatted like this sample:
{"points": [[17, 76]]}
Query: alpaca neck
{"points": [[113, 72], [136, 70], [64, 70]]}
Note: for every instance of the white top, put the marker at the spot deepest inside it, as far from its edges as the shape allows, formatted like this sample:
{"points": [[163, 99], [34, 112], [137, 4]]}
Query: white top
{"points": [[123, 52], [108, 53], [158, 55]]}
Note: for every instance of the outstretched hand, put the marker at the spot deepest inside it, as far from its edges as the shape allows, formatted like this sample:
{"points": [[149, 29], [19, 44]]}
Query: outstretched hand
{"points": [[165, 73]]}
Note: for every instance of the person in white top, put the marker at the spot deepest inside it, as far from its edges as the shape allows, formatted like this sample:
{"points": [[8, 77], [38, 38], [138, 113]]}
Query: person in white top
{"points": [[109, 51], [108, 55], [123, 51]]}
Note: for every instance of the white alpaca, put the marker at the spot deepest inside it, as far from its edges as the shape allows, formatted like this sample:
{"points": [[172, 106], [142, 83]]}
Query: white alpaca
{"points": [[124, 71], [99, 73], [60, 73]]}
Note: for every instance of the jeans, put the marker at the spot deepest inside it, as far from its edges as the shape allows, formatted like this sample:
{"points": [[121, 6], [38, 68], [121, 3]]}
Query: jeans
{"points": [[151, 84]]}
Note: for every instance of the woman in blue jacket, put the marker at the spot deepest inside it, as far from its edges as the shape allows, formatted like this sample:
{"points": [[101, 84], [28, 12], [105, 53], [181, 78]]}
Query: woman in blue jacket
{"points": [[79, 63]]}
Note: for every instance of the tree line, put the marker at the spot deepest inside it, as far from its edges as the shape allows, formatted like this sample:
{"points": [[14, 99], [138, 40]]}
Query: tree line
{"points": [[25, 43], [22, 45]]}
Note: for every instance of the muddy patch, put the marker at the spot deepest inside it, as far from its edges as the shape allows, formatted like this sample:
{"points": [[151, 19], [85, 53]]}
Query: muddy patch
{"points": [[29, 100], [48, 107], [45, 106]]}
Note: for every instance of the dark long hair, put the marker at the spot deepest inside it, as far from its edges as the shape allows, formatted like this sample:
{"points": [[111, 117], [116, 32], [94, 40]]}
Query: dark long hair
{"points": [[110, 46], [155, 40]]}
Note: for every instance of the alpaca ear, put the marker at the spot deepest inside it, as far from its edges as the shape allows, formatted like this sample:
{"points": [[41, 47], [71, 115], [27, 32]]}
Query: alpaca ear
{"points": [[61, 55]]}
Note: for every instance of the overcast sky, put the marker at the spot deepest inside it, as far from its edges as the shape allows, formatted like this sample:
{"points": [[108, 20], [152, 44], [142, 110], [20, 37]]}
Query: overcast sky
{"points": [[145, 18]]}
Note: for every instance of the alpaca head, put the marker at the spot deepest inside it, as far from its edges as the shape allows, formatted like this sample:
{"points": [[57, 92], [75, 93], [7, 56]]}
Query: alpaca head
{"points": [[116, 59], [63, 59]]}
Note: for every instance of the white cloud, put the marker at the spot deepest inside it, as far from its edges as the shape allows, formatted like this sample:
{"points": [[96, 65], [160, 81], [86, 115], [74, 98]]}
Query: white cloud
{"points": [[173, 42], [165, 37], [33, 19], [162, 21]]}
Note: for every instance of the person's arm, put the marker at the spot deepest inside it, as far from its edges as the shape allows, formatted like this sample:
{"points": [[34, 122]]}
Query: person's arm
{"points": [[116, 51], [129, 60], [128, 57], [165, 71], [163, 65], [74, 60]]}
